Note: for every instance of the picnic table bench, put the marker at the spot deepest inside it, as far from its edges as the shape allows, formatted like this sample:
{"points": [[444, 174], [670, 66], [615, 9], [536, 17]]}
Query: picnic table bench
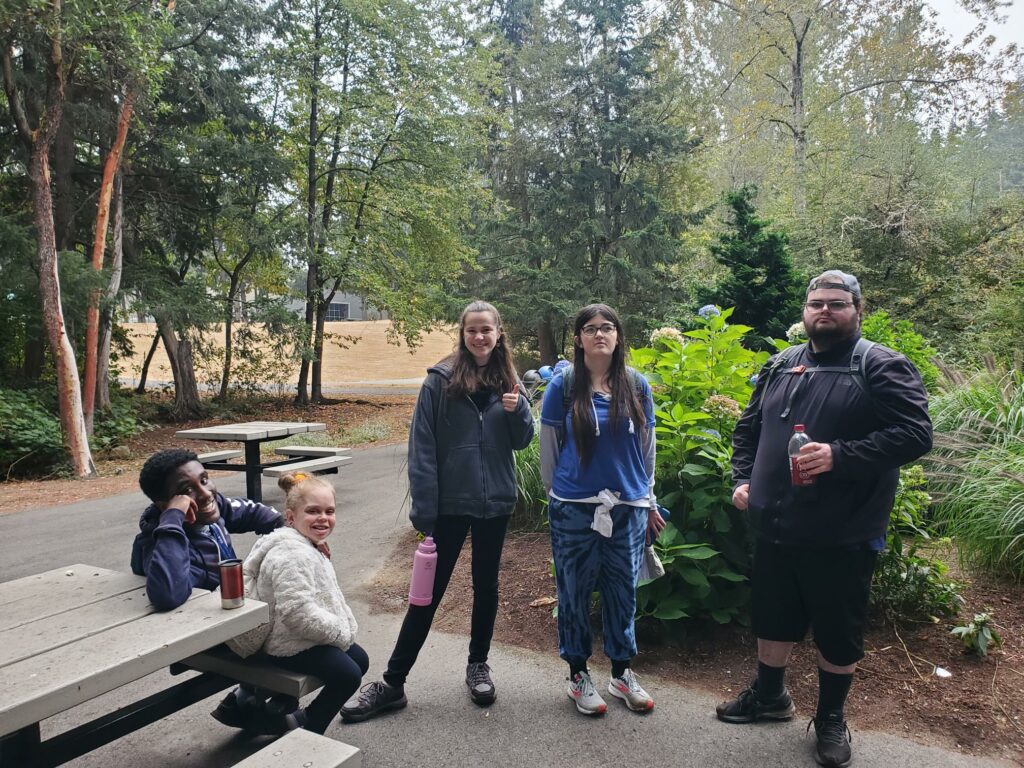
{"points": [[304, 748], [251, 434]]}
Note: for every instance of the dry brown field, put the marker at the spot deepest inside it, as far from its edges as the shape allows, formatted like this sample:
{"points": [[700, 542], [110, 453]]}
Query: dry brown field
{"points": [[369, 359]]}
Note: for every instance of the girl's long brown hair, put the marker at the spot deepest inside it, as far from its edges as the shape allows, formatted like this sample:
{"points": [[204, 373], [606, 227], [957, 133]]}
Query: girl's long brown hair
{"points": [[625, 401], [498, 375]]}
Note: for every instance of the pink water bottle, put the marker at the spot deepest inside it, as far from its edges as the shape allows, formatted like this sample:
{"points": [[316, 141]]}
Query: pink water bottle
{"points": [[424, 563]]}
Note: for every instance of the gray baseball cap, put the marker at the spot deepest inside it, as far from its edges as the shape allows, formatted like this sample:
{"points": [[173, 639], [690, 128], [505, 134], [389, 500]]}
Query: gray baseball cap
{"points": [[833, 278]]}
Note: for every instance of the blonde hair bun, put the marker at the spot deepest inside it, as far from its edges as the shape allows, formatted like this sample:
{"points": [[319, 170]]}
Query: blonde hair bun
{"points": [[289, 481]]}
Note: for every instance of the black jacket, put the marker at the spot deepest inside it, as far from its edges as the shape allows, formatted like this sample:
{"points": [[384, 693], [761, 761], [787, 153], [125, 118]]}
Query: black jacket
{"points": [[871, 437], [461, 457]]}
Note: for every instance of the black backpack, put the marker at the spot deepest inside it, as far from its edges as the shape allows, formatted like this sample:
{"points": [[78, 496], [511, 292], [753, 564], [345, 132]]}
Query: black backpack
{"points": [[783, 364]]}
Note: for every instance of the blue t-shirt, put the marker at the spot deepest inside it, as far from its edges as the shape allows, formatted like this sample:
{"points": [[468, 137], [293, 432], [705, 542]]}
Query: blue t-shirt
{"points": [[617, 461]]}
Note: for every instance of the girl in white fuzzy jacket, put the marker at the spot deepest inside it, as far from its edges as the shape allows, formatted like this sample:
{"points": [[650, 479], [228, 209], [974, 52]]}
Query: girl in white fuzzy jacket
{"points": [[312, 629]]}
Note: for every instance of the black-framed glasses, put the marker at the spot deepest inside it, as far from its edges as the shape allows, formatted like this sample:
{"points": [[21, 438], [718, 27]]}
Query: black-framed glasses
{"points": [[591, 330], [837, 305]]}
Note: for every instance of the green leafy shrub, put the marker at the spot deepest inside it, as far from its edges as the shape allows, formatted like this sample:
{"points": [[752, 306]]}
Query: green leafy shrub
{"points": [[978, 635], [908, 584], [30, 437], [119, 425], [901, 336], [701, 381]]}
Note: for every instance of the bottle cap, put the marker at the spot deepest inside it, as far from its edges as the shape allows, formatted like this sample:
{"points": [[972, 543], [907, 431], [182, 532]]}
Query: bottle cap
{"points": [[798, 428], [428, 545]]}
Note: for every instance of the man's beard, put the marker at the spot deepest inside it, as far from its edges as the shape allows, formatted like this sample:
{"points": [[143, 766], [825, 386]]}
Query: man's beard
{"points": [[825, 338]]}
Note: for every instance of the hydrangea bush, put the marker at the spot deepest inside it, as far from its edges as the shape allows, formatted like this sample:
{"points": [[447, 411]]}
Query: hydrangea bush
{"points": [[701, 380]]}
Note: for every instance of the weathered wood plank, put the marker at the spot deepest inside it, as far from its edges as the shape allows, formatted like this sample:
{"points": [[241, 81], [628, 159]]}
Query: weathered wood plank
{"points": [[47, 594], [257, 671], [305, 748], [45, 634], [312, 465], [218, 456], [56, 680], [310, 450]]}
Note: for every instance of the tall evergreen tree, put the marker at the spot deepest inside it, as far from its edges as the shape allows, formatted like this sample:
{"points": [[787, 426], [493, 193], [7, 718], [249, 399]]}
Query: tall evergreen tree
{"points": [[762, 284]]}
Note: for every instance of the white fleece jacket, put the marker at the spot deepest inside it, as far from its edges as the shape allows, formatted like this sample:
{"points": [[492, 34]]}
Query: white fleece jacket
{"points": [[307, 607]]}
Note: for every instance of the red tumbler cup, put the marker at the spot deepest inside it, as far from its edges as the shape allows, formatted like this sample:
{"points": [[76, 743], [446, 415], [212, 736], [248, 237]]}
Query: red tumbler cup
{"points": [[232, 593]]}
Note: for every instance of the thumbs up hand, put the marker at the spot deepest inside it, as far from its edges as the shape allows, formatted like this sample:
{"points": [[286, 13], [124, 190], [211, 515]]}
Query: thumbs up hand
{"points": [[510, 400]]}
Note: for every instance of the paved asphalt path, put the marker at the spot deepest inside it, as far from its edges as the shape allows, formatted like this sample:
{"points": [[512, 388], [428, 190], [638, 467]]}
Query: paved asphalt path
{"points": [[532, 723]]}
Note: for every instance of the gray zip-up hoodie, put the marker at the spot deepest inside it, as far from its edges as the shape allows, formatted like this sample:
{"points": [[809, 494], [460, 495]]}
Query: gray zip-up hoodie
{"points": [[461, 458]]}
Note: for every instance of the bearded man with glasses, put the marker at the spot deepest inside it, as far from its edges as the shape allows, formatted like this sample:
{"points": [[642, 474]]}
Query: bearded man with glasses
{"points": [[866, 411]]}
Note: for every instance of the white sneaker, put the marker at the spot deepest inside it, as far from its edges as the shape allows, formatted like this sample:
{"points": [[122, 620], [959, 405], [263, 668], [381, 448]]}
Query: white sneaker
{"points": [[585, 696], [628, 689]]}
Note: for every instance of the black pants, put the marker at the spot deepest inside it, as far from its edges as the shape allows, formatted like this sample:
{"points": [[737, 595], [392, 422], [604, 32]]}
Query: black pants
{"points": [[341, 671], [449, 535]]}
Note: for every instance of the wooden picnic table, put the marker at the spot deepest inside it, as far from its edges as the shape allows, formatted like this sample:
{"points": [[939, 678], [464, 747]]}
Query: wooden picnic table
{"points": [[76, 632], [251, 434]]}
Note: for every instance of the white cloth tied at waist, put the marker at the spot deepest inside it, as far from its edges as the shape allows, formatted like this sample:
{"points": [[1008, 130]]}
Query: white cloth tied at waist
{"points": [[606, 500]]}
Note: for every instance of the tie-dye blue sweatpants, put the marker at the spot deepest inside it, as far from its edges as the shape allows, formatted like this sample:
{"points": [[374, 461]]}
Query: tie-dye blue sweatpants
{"points": [[586, 561]]}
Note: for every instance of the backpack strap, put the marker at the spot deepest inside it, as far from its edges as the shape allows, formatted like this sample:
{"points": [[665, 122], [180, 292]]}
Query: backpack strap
{"points": [[855, 369], [782, 361]]}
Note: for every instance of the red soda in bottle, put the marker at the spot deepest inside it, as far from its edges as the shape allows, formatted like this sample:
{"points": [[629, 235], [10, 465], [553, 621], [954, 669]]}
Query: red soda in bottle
{"points": [[799, 439]]}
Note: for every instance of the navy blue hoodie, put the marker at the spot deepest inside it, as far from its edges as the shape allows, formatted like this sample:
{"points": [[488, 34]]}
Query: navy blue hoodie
{"points": [[175, 558]]}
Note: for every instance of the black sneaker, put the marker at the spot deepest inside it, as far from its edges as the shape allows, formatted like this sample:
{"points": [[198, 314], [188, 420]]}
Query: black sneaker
{"points": [[833, 740], [748, 708], [373, 699], [478, 680], [238, 708]]}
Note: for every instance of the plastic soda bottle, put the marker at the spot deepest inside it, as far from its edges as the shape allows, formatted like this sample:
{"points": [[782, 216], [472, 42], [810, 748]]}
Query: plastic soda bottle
{"points": [[799, 439], [424, 564]]}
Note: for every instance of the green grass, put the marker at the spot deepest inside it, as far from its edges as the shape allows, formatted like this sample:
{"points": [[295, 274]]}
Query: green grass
{"points": [[977, 469]]}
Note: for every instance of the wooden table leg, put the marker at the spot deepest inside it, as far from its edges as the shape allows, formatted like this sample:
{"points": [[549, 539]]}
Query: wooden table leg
{"points": [[253, 471]]}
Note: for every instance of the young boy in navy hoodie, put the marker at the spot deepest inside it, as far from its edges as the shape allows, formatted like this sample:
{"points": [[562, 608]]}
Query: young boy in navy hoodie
{"points": [[183, 536]]}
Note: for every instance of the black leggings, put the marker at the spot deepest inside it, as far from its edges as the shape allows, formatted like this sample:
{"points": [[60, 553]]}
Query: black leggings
{"points": [[449, 535], [341, 671]]}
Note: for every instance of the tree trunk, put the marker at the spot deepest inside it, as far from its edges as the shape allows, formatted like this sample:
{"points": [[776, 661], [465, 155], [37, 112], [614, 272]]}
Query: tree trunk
{"points": [[107, 307], [141, 388], [546, 342], [92, 316], [799, 117], [312, 274], [68, 390], [229, 318], [186, 392], [64, 185]]}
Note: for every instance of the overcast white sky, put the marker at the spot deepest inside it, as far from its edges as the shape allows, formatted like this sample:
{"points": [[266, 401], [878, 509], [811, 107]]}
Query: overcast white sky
{"points": [[959, 22]]}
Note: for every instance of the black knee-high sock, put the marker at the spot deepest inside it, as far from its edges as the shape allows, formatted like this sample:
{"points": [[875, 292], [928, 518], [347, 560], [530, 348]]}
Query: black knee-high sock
{"points": [[832, 691], [576, 666], [619, 667], [771, 681]]}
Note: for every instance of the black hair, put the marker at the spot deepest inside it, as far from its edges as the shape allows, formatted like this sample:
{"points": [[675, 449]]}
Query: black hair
{"points": [[158, 467]]}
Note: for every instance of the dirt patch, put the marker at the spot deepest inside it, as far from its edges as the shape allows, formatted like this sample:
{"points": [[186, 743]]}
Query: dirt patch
{"points": [[979, 710], [352, 421]]}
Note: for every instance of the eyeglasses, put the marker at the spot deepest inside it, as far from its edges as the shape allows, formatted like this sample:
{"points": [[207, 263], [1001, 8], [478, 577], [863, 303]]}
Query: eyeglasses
{"points": [[591, 330], [833, 306]]}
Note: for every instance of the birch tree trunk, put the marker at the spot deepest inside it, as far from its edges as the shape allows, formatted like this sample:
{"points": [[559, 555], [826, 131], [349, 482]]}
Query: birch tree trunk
{"points": [[107, 307]]}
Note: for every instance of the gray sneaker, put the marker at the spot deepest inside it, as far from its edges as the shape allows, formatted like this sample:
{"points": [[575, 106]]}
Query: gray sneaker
{"points": [[585, 696], [372, 699], [628, 689], [478, 680]]}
